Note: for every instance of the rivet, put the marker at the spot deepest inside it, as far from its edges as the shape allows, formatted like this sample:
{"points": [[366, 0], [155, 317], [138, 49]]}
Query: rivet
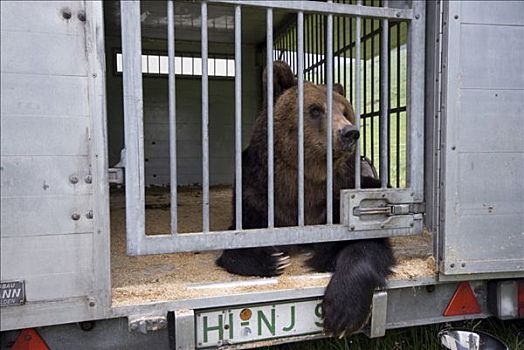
{"points": [[75, 216], [453, 148], [66, 13], [383, 195], [89, 214], [417, 16], [452, 266], [382, 226], [397, 14], [94, 75], [463, 265], [412, 194], [352, 228], [92, 301], [353, 196], [81, 15], [411, 224], [73, 179], [456, 17], [88, 179]]}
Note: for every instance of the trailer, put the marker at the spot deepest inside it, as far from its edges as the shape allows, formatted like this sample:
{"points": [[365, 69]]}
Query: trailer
{"points": [[122, 127]]}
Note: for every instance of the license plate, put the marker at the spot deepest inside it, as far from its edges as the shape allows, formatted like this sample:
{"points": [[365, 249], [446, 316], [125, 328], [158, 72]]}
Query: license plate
{"points": [[258, 322], [12, 293]]}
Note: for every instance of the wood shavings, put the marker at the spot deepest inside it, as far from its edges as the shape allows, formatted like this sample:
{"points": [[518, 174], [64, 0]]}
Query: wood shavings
{"points": [[153, 278]]}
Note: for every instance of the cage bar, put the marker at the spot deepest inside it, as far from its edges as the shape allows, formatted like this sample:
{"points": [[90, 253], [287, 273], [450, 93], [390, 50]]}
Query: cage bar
{"points": [[357, 96], [205, 122], [300, 76], [384, 102], [172, 113], [238, 118], [270, 173], [415, 100], [134, 127], [329, 91]]}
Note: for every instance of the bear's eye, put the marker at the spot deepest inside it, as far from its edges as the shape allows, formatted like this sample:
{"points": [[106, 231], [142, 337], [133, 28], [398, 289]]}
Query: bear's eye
{"points": [[316, 111]]}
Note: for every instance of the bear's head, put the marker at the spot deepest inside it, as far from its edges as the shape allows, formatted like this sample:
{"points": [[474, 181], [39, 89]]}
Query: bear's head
{"points": [[344, 133]]}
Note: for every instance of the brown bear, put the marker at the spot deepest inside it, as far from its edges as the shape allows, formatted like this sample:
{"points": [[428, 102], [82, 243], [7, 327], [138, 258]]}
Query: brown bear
{"points": [[358, 266]]}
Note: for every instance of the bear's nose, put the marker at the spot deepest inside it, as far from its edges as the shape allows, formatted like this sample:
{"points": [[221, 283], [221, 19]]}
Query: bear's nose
{"points": [[349, 134]]}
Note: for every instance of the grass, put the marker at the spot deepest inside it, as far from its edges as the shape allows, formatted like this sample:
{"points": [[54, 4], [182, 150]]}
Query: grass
{"points": [[415, 338]]}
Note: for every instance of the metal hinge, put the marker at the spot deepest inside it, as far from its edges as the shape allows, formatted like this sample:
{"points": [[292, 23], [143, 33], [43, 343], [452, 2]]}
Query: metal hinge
{"points": [[116, 173]]}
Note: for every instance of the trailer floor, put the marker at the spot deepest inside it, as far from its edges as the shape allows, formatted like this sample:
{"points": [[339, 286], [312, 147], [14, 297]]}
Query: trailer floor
{"points": [[153, 278]]}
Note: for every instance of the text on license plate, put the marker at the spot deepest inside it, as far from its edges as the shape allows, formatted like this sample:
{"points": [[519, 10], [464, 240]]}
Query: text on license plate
{"points": [[258, 322]]}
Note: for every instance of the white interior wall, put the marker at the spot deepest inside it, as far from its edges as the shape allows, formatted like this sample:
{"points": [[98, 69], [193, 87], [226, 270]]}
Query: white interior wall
{"points": [[188, 101]]}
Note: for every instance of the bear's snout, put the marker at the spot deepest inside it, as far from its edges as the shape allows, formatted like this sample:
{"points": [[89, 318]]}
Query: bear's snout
{"points": [[349, 135]]}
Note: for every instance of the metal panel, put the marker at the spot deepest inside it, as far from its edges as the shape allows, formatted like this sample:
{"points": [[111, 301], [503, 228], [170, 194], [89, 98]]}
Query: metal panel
{"points": [[46, 17], [43, 95], [45, 176], [37, 215], [482, 149], [50, 136], [505, 46], [492, 12], [42, 53], [54, 267], [41, 241]]}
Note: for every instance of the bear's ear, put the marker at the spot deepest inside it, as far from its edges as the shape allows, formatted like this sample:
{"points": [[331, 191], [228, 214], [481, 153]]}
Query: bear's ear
{"points": [[283, 79], [339, 88]]}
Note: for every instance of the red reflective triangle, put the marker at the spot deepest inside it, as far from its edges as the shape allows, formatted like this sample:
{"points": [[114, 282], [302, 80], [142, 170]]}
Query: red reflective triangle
{"points": [[29, 339], [463, 302]]}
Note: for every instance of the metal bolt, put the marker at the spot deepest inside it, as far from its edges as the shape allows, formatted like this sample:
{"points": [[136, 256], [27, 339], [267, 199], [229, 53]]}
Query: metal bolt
{"points": [[89, 214], [382, 226], [463, 265], [397, 14], [417, 16], [456, 17], [352, 228], [411, 224], [88, 179], [73, 179], [452, 266], [92, 301], [75, 216], [81, 15], [353, 196], [94, 75], [66, 13], [412, 194], [453, 148]]}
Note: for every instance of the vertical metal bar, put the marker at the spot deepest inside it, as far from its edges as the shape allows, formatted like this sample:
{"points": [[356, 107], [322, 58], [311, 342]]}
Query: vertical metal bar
{"points": [[384, 101], [415, 100], [353, 99], [344, 45], [357, 95], [390, 181], [338, 49], [365, 126], [398, 104], [238, 117], [329, 131], [300, 75], [269, 70], [205, 121], [172, 112], [372, 93], [316, 50], [133, 125]]}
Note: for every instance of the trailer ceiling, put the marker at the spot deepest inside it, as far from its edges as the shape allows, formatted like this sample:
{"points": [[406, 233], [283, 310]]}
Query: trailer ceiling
{"points": [[187, 21]]}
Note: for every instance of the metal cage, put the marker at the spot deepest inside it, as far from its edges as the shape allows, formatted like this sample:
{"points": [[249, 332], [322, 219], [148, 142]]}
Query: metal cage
{"points": [[320, 35]]}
